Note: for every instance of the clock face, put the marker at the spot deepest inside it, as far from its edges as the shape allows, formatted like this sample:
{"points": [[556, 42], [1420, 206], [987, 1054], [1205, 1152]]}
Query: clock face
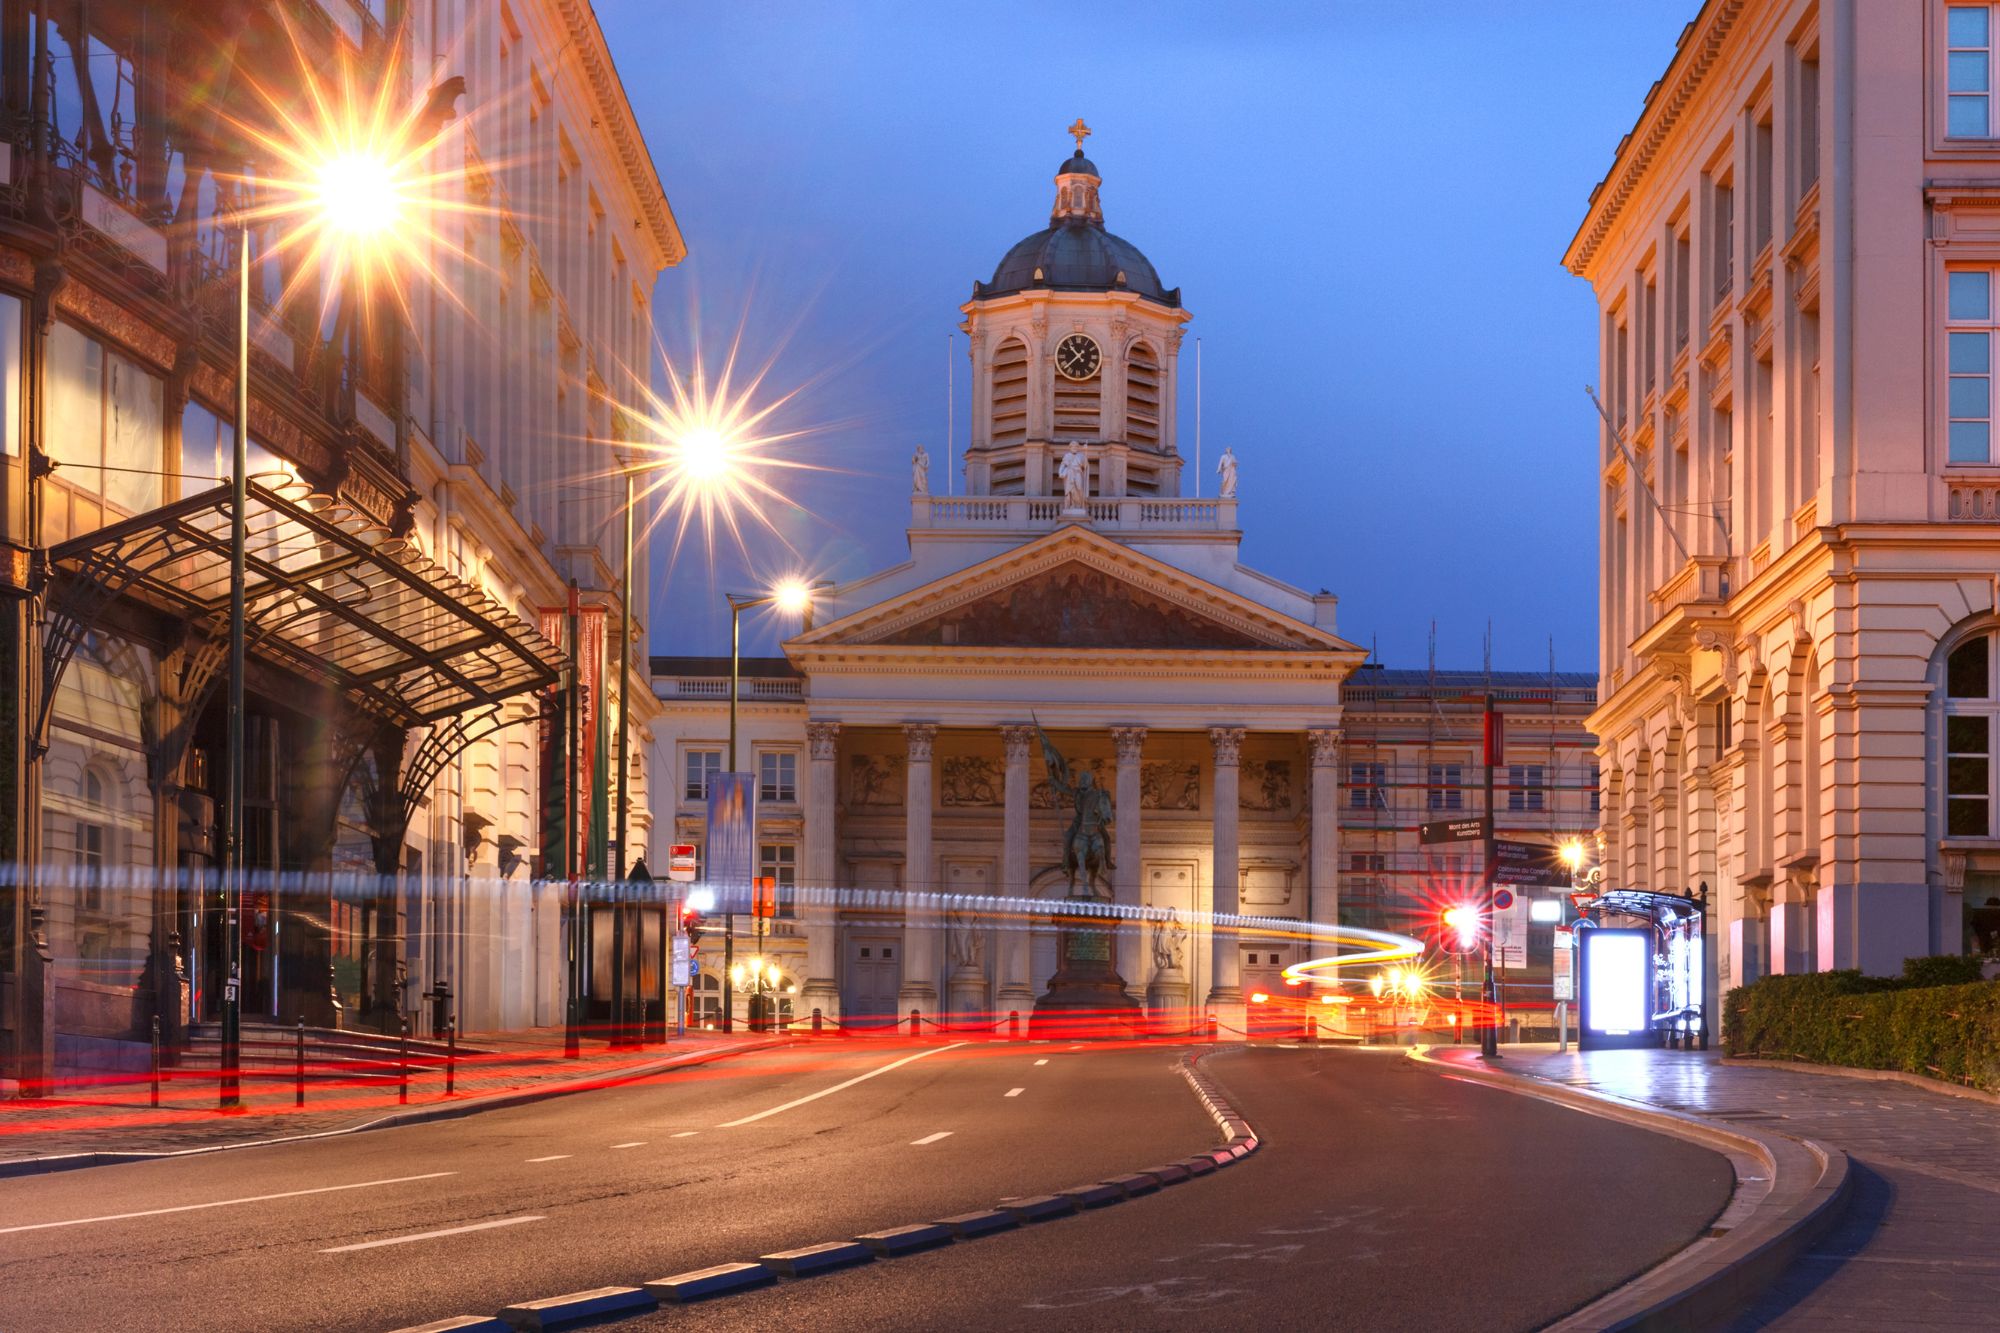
{"points": [[1077, 357]]}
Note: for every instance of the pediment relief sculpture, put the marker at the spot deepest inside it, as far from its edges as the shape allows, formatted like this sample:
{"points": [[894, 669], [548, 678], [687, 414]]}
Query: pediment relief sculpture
{"points": [[1170, 785], [970, 780], [1074, 605], [1266, 785]]}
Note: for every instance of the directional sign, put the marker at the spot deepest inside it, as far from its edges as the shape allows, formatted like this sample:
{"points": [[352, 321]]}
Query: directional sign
{"points": [[1535, 865], [1452, 830], [681, 862]]}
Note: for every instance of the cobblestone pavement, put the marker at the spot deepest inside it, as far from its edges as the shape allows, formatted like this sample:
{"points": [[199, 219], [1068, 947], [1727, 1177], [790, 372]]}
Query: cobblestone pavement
{"points": [[119, 1117], [1917, 1248]]}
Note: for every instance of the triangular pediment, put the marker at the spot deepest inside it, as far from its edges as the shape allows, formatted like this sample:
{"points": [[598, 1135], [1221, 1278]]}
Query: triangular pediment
{"points": [[1073, 589]]}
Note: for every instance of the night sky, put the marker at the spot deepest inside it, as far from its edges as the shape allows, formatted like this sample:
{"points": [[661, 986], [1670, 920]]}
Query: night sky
{"points": [[1365, 206]]}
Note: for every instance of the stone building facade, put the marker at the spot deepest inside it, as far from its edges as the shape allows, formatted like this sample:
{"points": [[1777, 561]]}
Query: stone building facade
{"points": [[418, 501], [1793, 255]]}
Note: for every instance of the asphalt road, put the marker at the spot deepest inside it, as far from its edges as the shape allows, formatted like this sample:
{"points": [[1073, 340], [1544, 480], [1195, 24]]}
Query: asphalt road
{"points": [[717, 1163], [1387, 1196]]}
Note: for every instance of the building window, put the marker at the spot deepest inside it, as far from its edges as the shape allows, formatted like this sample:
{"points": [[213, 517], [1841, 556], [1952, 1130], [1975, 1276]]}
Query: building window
{"points": [[779, 861], [1969, 72], [1524, 787], [1724, 239], [778, 775], [1596, 796], [1971, 711], [1365, 783], [1446, 792], [1367, 863], [1969, 365], [104, 424], [701, 766]]}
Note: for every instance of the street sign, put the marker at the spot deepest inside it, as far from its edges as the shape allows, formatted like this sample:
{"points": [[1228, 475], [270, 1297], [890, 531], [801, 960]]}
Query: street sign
{"points": [[681, 862], [683, 972], [1529, 865], [1563, 977], [765, 901], [1510, 931], [1503, 899], [1452, 830]]}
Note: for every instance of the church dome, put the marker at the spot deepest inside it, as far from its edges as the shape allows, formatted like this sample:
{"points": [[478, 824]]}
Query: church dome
{"points": [[1074, 252], [1078, 255]]}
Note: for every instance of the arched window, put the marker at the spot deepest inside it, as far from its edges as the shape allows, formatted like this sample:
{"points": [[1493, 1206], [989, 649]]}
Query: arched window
{"points": [[1142, 397], [1971, 714], [1010, 393]]}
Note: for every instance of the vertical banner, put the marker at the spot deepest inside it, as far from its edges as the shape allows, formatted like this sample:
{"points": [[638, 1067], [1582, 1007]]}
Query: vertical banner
{"points": [[732, 838], [593, 756], [590, 840]]}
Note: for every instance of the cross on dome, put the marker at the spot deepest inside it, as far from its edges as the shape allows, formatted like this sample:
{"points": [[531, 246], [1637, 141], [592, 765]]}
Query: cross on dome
{"points": [[1079, 132]]}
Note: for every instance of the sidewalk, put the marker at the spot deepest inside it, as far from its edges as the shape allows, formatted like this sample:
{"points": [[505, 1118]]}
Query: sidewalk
{"points": [[1915, 1249], [119, 1118]]}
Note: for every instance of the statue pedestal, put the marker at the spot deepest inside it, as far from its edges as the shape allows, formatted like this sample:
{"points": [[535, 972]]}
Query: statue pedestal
{"points": [[1086, 996], [966, 993], [1167, 1002], [1076, 513]]}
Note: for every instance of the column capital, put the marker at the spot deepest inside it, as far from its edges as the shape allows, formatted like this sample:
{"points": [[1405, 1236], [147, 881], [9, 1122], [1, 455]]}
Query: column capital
{"points": [[1019, 738], [1228, 742], [822, 738], [1131, 743], [1325, 743], [919, 736]]}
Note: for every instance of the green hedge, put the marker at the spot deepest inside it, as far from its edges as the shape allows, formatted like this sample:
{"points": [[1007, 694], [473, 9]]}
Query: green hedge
{"points": [[1947, 1032]]}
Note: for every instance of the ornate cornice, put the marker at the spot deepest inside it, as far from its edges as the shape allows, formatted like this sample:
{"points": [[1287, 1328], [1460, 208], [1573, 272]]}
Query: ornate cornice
{"points": [[1228, 742], [1130, 743], [823, 739], [1671, 96], [615, 115]]}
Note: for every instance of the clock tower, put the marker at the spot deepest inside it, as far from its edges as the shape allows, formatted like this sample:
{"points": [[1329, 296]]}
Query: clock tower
{"points": [[1074, 342]]}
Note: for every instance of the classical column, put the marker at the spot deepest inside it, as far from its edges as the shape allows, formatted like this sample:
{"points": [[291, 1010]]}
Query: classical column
{"points": [[822, 990], [1224, 990], [1323, 892], [920, 890], [1131, 743], [1017, 987]]}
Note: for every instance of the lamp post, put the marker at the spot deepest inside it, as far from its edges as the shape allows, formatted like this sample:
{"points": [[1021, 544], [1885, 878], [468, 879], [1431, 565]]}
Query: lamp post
{"points": [[794, 596]]}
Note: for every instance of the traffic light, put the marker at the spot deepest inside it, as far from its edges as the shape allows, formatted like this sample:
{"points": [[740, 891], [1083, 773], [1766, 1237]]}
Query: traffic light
{"points": [[690, 925], [1458, 928]]}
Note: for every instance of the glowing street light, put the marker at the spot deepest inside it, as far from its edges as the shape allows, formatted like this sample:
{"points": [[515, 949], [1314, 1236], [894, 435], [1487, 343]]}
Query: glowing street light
{"points": [[1574, 854]]}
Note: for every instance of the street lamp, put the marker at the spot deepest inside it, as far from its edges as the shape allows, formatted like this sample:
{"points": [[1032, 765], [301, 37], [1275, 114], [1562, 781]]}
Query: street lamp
{"points": [[792, 596], [354, 198]]}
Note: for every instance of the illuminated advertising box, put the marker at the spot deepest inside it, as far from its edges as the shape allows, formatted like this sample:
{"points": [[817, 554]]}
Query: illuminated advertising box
{"points": [[1617, 989]]}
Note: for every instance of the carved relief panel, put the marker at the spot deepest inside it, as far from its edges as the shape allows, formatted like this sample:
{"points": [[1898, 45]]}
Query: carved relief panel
{"points": [[875, 780]]}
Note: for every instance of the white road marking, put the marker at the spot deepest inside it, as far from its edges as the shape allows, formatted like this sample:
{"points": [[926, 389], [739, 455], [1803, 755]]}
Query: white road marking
{"points": [[223, 1203], [430, 1235], [828, 1092], [687, 1134], [1041, 1062], [1015, 1092], [640, 1144], [557, 1157], [930, 1138]]}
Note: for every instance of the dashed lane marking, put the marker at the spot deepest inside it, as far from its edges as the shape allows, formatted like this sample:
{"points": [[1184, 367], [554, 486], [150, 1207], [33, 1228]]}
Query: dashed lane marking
{"points": [[1041, 1062], [828, 1092], [687, 1134], [553, 1157], [639, 1144], [1015, 1092], [930, 1138], [223, 1203], [432, 1235]]}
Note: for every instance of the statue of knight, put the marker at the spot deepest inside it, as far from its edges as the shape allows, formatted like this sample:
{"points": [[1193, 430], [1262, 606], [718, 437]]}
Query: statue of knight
{"points": [[1087, 844]]}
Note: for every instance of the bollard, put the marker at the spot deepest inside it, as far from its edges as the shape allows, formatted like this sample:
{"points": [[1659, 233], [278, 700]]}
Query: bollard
{"points": [[1214, 1027], [450, 1054], [1013, 1024], [403, 1062], [299, 1065], [818, 1019], [156, 1060], [916, 1023]]}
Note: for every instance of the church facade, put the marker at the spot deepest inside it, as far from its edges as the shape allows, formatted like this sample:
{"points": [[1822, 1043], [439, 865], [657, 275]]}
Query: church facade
{"points": [[1073, 591]]}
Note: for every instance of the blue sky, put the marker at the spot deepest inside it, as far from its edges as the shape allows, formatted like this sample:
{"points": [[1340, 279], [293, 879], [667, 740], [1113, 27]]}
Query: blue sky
{"points": [[1364, 204]]}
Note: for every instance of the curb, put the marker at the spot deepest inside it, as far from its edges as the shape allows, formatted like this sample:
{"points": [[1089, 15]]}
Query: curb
{"points": [[887, 1243], [1756, 1237], [498, 1101], [1904, 1076]]}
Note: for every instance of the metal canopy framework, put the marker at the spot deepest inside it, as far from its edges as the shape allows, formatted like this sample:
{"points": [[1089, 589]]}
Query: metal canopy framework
{"points": [[330, 595]]}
